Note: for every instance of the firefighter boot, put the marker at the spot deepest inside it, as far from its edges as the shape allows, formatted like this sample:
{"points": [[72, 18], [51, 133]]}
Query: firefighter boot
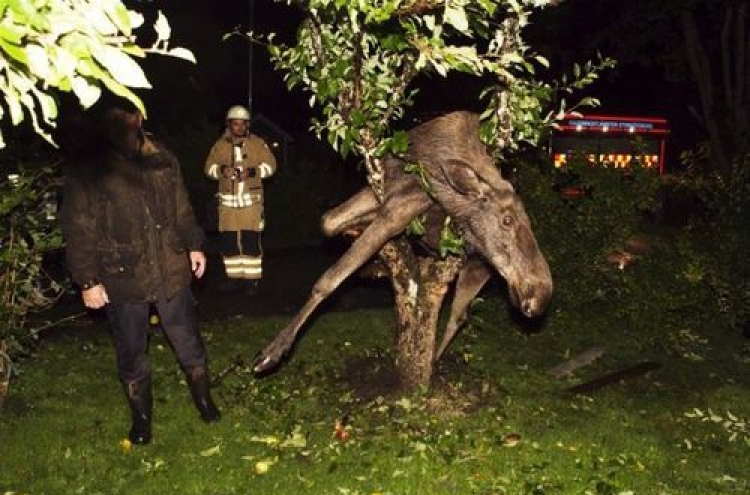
{"points": [[140, 401], [200, 386]]}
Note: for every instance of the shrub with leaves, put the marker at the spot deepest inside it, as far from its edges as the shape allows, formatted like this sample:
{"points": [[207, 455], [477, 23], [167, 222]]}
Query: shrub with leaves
{"points": [[29, 230], [578, 231], [717, 207]]}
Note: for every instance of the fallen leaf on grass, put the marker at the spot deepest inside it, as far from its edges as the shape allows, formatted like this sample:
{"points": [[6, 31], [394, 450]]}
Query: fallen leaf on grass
{"points": [[268, 440], [262, 467], [215, 450], [341, 429], [296, 439], [511, 439]]}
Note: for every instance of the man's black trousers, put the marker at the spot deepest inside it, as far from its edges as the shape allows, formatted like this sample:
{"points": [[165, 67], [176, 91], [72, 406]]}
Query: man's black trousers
{"points": [[129, 322]]}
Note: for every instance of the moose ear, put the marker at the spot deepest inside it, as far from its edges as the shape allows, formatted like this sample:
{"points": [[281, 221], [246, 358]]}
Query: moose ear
{"points": [[461, 177]]}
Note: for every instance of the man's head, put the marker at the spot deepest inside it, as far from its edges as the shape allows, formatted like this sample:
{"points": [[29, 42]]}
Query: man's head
{"points": [[238, 121], [122, 128]]}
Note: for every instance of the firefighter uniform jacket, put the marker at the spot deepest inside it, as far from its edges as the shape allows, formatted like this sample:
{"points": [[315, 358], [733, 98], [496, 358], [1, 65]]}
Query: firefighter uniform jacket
{"points": [[240, 196]]}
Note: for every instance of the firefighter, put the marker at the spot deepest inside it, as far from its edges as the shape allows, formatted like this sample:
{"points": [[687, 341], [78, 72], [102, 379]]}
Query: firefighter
{"points": [[240, 161]]}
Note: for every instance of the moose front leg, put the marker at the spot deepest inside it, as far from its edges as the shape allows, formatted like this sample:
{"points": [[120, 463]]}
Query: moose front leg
{"points": [[392, 218], [471, 279]]}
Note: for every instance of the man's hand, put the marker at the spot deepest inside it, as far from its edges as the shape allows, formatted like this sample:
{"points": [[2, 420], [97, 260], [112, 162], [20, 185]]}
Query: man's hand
{"points": [[95, 297], [198, 263]]}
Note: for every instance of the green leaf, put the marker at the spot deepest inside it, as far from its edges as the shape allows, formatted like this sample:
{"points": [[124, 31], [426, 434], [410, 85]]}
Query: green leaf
{"points": [[182, 53], [416, 227], [11, 33], [210, 452], [122, 68], [162, 28], [15, 51], [87, 93], [38, 61], [455, 15]]}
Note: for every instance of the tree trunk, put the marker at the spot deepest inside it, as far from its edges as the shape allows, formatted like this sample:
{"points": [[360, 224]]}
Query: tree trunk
{"points": [[723, 87], [701, 68], [419, 285]]}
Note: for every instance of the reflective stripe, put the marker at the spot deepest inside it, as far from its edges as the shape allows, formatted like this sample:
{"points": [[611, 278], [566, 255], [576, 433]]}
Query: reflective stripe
{"points": [[265, 170], [235, 201], [246, 273], [242, 261], [234, 260], [213, 171]]}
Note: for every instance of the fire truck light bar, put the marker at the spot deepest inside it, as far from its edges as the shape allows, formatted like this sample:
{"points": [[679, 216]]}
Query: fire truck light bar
{"points": [[592, 123]]}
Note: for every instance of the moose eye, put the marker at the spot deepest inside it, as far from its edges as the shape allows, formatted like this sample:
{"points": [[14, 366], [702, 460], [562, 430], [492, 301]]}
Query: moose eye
{"points": [[507, 221]]}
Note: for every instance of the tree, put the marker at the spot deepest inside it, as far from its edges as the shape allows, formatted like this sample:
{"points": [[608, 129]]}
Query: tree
{"points": [[717, 54], [77, 46], [359, 60]]}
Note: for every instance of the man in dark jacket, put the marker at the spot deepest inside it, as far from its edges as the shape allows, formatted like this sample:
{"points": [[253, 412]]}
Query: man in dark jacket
{"points": [[133, 241]]}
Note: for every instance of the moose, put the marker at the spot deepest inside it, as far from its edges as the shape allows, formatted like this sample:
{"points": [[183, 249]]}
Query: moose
{"points": [[462, 182]]}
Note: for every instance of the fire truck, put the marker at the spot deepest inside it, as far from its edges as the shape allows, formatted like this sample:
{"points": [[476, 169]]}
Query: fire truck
{"points": [[611, 141]]}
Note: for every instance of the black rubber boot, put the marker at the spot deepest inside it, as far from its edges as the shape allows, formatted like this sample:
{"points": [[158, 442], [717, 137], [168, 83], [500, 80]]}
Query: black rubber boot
{"points": [[200, 386], [140, 401]]}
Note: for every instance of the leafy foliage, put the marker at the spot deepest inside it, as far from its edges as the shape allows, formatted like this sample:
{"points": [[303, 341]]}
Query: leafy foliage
{"points": [[581, 213], [719, 207], [358, 60], [29, 232], [71, 46]]}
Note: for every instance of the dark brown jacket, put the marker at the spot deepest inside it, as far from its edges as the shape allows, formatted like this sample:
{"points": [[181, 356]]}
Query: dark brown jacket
{"points": [[128, 224]]}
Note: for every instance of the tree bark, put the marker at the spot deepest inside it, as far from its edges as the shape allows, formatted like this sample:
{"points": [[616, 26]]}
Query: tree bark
{"points": [[701, 69], [419, 286]]}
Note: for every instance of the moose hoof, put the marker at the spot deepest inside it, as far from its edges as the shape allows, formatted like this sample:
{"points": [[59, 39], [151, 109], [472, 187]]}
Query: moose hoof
{"points": [[263, 364]]}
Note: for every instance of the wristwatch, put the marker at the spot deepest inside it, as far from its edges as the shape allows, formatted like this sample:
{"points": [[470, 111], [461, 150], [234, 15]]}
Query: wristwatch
{"points": [[90, 284]]}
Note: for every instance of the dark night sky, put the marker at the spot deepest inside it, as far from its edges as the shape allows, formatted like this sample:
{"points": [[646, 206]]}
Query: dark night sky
{"points": [[183, 91], [186, 92]]}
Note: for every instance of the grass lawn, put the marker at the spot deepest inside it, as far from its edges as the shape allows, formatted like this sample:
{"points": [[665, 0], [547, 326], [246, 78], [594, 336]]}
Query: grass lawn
{"points": [[329, 422]]}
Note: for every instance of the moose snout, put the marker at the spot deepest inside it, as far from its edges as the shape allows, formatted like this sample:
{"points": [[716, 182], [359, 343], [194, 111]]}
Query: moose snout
{"points": [[532, 299]]}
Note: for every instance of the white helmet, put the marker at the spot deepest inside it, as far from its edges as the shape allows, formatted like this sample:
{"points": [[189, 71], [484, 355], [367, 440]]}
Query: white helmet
{"points": [[238, 112]]}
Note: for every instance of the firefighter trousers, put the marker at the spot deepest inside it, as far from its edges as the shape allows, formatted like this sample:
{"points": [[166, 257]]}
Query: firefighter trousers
{"points": [[242, 254]]}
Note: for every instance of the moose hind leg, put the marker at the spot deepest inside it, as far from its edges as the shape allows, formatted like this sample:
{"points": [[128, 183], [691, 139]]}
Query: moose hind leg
{"points": [[472, 277]]}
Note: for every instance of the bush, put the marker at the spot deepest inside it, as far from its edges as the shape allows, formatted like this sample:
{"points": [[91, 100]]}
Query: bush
{"points": [[581, 214], [694, 274], [29, 232], [721, 237]]}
